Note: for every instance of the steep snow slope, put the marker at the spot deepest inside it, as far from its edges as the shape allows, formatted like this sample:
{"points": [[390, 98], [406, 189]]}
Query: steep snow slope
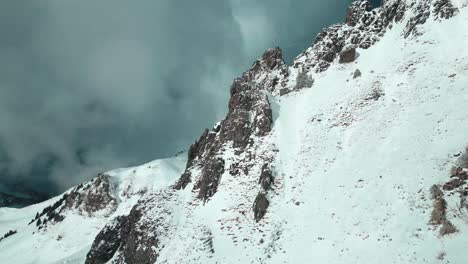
{"points": [[315, 162], [362, 173]]}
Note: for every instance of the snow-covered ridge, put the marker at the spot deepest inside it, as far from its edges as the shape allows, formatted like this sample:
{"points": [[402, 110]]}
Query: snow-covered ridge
{"points": [[317, 162], [65, 226]]}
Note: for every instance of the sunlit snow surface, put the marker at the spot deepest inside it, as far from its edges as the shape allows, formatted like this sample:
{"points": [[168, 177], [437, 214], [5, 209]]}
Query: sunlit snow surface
{"points": [[352, 173]]}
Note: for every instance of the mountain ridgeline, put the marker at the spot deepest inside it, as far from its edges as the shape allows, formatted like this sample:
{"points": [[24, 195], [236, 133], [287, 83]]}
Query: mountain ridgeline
{"points": [[357, 144]]}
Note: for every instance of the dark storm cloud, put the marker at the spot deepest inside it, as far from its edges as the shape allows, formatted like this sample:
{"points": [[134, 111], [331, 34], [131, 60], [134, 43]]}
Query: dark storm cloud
{"points": [[87, 86]]}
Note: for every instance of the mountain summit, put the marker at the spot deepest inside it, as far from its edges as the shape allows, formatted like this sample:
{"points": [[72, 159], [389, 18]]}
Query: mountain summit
{"points": [[354, 153]]}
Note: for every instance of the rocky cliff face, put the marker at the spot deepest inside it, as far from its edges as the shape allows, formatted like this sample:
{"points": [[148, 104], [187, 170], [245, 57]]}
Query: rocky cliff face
{"points": [[250, 116], [250, 112], [249, 119], [303, 157], [91, 199]]}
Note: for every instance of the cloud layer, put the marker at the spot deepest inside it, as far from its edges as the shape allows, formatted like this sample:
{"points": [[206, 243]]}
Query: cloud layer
{"points": [[87, 86]]}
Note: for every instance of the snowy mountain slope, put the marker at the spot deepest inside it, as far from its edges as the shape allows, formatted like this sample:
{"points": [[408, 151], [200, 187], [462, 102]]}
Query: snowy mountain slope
{"points": [[364, 170], [317, 162], [70, 238]]}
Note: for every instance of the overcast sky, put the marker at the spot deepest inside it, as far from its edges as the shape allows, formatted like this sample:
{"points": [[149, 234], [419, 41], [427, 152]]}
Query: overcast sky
{"points": [[87, 86]]}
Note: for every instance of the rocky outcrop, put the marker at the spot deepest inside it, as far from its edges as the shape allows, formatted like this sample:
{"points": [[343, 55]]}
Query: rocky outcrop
{"points": [[439, 9], [107, 242], [348, 55], [444, 9], [357, 73], [362, 28], [355, 10], [439, 212], [125, 237], [211, 175], [135, 238], [139, 245], [183, 181], [93, 197], [455, 186], [89, 199], [249, 111], [249, 116], [393, 11], [260, 206], [266, 177], [422, 13]]}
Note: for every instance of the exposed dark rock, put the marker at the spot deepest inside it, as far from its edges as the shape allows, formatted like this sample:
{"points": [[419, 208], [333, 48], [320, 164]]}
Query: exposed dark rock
{"points": [[436, 192], [272, 58], [248, 99], [356, 10], [458, 175], [422, 13], [107, 242], [260, 206], [453, 184], [444, 9], [133, 239], [184, 180], [263, 121], [456, 185], [357, 73], [348, 56], [393, 12], [88, 199], [211, 175], [95, 197], [249, 116], [459, 172], [234, 169], [362, 29], [375, 94], [266, 177], [439, 210], [217, 127], [134, 236], [128, 237], [447, 228], [462, 161], [197, 148], [284, 91]]}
